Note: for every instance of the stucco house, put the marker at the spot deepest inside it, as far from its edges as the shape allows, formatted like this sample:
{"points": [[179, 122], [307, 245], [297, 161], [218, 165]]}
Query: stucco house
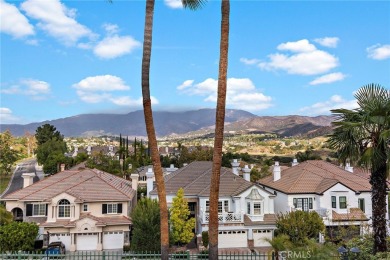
{"points": [[246, 211], [341, 197], [85, 209]]}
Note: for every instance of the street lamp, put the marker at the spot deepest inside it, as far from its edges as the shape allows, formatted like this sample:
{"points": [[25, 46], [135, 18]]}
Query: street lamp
{"points": [[344, 252]]}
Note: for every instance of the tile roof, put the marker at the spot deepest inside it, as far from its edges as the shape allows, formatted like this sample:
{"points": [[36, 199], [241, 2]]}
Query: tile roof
{"points": [[315, 176], [354, 214], [86, 185], [195, 180], [269, 219]]}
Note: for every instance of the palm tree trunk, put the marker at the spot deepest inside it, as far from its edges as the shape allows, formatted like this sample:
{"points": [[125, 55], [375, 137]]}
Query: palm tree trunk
{"points": [[219, 129], [379, 185], [148, 114]]}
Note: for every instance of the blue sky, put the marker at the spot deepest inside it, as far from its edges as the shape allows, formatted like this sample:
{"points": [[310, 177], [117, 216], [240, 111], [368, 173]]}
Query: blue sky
{"points": [[61, 59]]}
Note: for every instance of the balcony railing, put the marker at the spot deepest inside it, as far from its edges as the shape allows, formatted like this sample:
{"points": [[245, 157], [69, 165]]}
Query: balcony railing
{"points": [[321, 211], [226, 217]]}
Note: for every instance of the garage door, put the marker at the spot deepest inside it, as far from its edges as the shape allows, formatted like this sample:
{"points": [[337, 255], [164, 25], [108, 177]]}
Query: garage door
{"points": [[260, 236], [113, 240], [63, 237], [232, 239], [87, 241]]}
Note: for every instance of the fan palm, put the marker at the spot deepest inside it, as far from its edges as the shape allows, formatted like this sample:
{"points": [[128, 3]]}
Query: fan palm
{"points": [[362, 136], [219, 122], [148, 114]]}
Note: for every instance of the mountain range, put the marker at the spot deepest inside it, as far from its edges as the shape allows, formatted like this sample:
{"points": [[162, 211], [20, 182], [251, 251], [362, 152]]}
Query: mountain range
{"points": [[179, 123]]}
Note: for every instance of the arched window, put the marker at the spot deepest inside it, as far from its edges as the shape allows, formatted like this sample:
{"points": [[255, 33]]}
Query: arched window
{"points": [[64, 208]]}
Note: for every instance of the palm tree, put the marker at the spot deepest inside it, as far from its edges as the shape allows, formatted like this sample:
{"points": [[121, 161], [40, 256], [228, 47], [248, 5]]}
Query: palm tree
{"points": [[148, 114], [219, 122], [362, 135]]}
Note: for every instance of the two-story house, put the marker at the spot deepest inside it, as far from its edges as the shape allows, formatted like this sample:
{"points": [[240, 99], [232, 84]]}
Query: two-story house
{"points": [[246, 211], [341, 197], [85, 209]]}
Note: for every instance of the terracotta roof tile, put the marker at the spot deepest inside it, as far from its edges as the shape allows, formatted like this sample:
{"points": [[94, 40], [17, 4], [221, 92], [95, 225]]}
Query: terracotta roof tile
{"points": [[269, 219], [85, 185], [315, 177], [101, 221], [195, 180]]}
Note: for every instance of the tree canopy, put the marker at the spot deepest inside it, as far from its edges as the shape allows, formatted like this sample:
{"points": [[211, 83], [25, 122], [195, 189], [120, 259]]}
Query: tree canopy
{"points": [[18, 236], [146, 226], [8, 154]]}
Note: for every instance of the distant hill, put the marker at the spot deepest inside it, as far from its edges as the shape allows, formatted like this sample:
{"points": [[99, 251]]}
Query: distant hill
{"points": [[131, 124]]}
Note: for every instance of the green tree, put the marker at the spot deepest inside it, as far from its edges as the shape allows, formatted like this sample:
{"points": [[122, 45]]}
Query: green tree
{"points": [[146, 226], [6, 217], [300, 226], [50, 154], [362, 136], [17, 236], [307, 155], [47, 132], [181, 223], [8, 155]]}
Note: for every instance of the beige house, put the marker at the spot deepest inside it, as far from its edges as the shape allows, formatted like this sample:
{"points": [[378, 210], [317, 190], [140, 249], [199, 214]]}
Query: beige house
{"points": [[246, 211], [85, 209]]}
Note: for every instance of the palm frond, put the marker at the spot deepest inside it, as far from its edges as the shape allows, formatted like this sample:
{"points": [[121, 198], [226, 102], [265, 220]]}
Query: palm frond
{"points": [[193, 4]]}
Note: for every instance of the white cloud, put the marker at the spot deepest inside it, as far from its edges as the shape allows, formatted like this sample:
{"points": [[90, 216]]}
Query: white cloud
{"points": [[175, 4], [323, 108], [379, 52], [298, 46], [13, 22], [57, 20], [249, 61], [36, 89], [6, 116], [111, 28], [241, 93], [328, 78], [101, 83], [330, 42], [305, 59], [128, 101], [115, 46]]}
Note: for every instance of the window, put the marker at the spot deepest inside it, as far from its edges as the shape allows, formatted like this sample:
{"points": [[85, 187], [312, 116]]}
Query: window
{"points": [[343, 202], [334, 202], [223, 206], [256, 208], [85, 207], [361, 204], [39, 210], [207, 206], [112, 208], [248, 211], [310, 203], [36, 210], [64, 209], [303, 203]]}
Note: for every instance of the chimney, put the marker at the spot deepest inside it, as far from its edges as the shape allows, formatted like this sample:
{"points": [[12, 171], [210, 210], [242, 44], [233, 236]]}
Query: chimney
{"points": [[62, 167], [348, 167], [171, 169], [246, 172], [277, 171], [28, 179], [185, 164], [295, 162], [235, 165], [149, 181], [134, 181]]}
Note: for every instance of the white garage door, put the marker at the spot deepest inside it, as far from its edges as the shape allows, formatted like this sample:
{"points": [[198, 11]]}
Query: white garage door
{"points": [[63, 237], [260, 236], [86, 241], [113, 240], [232, 239]]}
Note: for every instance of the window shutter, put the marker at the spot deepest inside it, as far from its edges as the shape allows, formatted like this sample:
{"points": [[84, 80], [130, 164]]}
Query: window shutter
{"points": [[310, 203], [46, 209], [29, 209], [104, 209], [119, 208], [295, 203]]}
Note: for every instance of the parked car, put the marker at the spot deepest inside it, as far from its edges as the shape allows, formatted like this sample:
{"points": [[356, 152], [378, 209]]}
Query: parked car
{"points": [[55, 248]]}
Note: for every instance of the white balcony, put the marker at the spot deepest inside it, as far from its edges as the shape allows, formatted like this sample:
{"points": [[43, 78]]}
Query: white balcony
{"points": [[225, 217]]}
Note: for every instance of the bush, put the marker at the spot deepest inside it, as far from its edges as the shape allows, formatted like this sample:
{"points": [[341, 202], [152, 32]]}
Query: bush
{"points": [[205, 239]]}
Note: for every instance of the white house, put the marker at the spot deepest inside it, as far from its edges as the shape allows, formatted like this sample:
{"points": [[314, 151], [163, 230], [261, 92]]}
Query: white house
{"points": [[341, 197], [246, 211], [85, 209]]}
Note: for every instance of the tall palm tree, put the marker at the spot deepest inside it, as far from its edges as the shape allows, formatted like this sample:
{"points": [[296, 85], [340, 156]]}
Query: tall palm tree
{"points": [[362, 135], [219, 122], [152, 140]]}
